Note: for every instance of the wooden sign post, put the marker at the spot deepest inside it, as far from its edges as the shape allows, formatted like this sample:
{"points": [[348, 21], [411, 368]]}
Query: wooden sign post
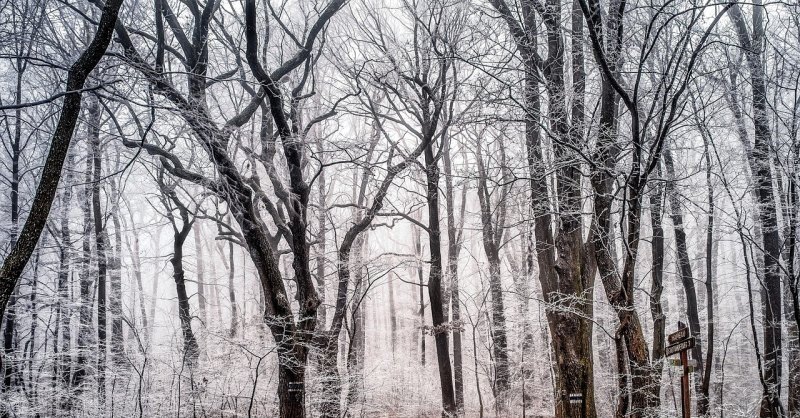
{"points": [[681, 342]]}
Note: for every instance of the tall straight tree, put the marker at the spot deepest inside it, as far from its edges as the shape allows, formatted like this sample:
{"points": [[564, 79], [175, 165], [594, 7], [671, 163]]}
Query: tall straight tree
{"points": [[752, 46], [566, 261]]}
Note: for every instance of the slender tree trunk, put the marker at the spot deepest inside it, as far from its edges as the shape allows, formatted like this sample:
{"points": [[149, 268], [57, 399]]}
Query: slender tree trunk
{"points": [[101, 242], [684, 264], [201, 279], [136, 264], [86, 279], [704, 400], [20, 253], [356, 351], [657, 285], [115, 296], [62, 370], [421, 328], [492, 231], [762, 173], [9, 368], [440, 328], [454, 232], [190, 347], [232, 293]]}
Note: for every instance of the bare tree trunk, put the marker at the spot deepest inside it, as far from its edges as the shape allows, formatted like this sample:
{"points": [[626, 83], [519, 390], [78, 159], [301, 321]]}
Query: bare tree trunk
{"points": [[86, 280], [657, 285], [20, 253], [454, 238], [9, 343], [201, 279], [762, 173], [355, 353], [232, 293], [101, 242], [115, 297], [684, 264], [190, 348], [136, 263], [440, 329], [62, 366], [492, 230], [421, 329]]}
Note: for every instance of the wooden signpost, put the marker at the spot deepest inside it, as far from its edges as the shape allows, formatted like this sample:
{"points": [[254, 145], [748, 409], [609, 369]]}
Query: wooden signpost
{"points": [[680, 343]]}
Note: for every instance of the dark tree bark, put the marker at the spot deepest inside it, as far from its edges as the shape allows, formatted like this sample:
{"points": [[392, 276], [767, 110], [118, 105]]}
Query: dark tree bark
{"points": [[493, 227], [86, 280], [439, 330], [115, 280], [62, 367], [684, 263], [20, 253], [566, 263], [181, 230], [454, 244], [353, 240], [101, 243], [244, 195], [762, 173], [416, 236], [234, 327], [59, 147], [657, 283]]}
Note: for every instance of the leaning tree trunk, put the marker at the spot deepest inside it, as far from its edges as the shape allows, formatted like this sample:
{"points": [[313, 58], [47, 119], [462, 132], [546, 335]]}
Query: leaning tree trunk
{"points": [[59, 147]]}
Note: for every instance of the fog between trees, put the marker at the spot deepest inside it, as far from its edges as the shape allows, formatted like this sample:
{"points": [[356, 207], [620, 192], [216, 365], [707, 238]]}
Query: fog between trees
{"points": [[398, 208]]}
